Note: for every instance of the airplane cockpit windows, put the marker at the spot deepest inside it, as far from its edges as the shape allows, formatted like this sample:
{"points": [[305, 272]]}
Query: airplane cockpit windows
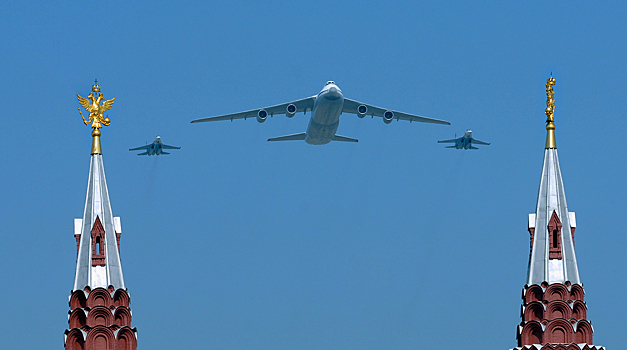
{"points": [[329, 82]]}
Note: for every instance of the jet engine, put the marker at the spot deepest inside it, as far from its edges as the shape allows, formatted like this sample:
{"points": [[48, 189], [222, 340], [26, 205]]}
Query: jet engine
{"points": [[388, 116], [290, 110], [361, 111], [262, 115]]}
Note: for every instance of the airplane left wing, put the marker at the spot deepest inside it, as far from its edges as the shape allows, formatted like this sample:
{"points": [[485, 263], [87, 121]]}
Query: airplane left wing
{"points": [[169, 147], [301, 105], [480, 142], [138, 148], [447, 141], [351, 106]]}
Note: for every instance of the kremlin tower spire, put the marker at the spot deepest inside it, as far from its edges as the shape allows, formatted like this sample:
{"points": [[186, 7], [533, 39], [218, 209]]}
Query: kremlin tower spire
{"points": [[99, 317], [553, 311]]}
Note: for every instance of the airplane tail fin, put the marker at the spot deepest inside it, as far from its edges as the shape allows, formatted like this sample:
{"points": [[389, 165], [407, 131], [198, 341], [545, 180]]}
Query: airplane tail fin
{"points": [[343, 138], [293, 137]]}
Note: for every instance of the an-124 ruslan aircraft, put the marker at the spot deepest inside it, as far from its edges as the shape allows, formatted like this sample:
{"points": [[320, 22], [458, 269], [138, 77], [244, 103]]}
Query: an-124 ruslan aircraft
{"points": [[156, 147], [326, 108], [464, 142]]}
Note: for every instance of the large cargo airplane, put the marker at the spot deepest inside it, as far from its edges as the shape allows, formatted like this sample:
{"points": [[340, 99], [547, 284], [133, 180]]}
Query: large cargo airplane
{"points": [[326, 108]]}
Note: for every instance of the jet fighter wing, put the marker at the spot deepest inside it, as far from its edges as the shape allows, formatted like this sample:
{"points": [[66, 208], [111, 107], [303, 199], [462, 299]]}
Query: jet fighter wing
{"points": [[301, 105], [350, 106], [169, 147], [142, 147], [448, 141], [479, 142]]}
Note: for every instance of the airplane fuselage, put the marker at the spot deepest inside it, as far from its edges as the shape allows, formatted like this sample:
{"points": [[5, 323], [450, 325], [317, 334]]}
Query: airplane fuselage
{"points": [[325, 116], [465, 141]]}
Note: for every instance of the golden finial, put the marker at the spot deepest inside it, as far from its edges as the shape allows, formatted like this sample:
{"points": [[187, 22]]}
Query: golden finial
{"points": [[96, 108], [550, 109]]}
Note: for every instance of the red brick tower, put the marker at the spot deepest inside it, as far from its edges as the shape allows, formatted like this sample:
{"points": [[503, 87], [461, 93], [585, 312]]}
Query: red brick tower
{"points": [[99, 316], [553, 310]]}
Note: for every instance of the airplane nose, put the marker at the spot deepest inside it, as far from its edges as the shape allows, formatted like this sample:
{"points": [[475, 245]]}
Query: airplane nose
{"points": [[332, 94]]}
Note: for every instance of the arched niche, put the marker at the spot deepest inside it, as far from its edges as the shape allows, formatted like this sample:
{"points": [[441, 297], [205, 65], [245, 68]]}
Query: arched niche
{"points": [[583, 333], [556, 291], [100, 338], [122, 316], [558, 309], [576, 292], [531, 334], [559, 331], [99, 297], [534, 312], [77, 319], [78, 300], [121, 298], [99, 316], [74, 340], [579, 310], [534, 293], [126, 340]]}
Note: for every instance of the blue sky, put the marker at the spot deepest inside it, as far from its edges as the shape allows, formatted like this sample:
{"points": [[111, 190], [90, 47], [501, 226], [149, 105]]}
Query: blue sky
{"points": [[236, 243]]}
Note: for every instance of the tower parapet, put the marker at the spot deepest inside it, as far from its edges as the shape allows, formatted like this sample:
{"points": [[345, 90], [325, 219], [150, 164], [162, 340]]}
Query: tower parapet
{"points": [[554, 313], [100, 314]]}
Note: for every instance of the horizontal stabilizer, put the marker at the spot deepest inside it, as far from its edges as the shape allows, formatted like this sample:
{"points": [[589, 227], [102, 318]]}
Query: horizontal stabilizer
{"points": [[142, 154], [294, 137], [472, 147], [343, 138], [450, 147], [164, 152]]}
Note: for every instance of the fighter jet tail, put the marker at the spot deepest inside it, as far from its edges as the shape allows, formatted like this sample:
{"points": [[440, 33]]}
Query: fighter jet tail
{"points": [[294, 137], [142, 154], [450, 147], [343, 138]]}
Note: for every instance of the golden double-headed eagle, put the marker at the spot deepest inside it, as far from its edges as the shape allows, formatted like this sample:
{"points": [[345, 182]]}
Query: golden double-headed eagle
{"points": [[96, 107]]}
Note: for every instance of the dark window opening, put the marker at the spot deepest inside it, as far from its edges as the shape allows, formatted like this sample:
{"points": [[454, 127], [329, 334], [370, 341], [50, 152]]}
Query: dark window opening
{"points": [[554, 238]]}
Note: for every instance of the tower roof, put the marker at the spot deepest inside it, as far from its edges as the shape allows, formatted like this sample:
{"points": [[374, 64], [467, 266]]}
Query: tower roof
{"points": [[98, 217], [552, 225]]}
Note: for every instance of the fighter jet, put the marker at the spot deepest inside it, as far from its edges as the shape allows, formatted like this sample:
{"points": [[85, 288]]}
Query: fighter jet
{"points": [[464, 142], [326, 108], [156, 147]]}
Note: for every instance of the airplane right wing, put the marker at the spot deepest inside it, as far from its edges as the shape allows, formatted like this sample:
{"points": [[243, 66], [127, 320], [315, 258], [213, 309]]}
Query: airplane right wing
{"points": [[301, 105], [169, 147], [142, 147], [480, 142]]}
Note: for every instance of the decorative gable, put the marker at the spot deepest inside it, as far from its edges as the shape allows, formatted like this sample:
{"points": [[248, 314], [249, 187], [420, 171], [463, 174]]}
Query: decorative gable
{"points": [[555, 237], [97, 244]]}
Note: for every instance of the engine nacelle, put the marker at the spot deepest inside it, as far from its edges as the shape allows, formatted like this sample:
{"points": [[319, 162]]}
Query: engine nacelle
{"points": [[290, 110], [361, 111], [388, 116], [262, 115]]}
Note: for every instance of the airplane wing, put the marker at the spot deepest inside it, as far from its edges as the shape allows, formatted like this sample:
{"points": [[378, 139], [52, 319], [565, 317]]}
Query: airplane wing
{"points": [[301, 106], [350, 106], [479, 142], [169, 147], [448, 141], [142, 147]]}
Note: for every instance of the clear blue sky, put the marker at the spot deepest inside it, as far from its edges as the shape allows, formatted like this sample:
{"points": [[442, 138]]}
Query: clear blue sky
{"points": [[236, 243]]}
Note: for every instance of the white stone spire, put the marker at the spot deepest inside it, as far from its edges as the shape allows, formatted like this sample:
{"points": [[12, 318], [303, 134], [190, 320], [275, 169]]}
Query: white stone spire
{"points": [[553, 257], [98, 262]]}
